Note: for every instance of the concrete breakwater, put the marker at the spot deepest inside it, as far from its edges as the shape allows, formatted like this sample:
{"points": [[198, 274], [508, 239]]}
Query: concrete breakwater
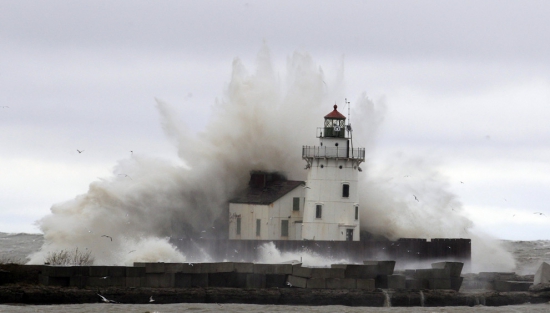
{"points": [[373, 283], [367, 276]]}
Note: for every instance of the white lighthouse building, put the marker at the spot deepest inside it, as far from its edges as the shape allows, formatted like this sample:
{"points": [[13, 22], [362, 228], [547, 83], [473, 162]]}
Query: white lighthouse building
{"points": [[331, 210], [325, 207]]}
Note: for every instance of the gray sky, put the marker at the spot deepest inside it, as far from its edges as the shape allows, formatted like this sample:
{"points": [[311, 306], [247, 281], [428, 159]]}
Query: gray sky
{"points": [[466, 83]]}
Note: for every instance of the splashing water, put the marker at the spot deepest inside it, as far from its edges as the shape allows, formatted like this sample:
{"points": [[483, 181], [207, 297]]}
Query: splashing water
{"points": [[163, 200]]}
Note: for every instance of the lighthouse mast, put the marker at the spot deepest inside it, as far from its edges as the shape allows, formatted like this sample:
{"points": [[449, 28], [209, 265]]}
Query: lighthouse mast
{"points": [[331, 210]]}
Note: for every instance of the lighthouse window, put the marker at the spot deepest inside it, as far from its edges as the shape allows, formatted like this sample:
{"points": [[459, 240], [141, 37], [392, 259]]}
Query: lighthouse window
{"points": [[345, 190], [284, 228], [238, 225], [258, 226], [295, 204], [318, 211]]}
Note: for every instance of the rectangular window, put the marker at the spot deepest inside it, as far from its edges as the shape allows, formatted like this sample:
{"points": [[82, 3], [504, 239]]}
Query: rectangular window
{"points": [[295, 204], [345, 190], [258, 227], [356, 212], [238, 225], [318, 211], [284, 228]]}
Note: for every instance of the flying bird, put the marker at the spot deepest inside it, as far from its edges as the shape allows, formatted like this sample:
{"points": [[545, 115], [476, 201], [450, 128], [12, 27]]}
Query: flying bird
{"points": [[107, 237], [151, 299], [105, 299], [539, 213], [79, 151], [415, 198]]}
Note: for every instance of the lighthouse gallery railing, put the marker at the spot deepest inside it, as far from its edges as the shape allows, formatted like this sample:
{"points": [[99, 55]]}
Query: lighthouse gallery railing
{"points": [[333, 152]]}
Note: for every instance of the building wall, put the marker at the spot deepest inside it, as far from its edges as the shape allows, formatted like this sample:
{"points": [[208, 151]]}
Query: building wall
{"points": [[326, 176], [270, 215]]}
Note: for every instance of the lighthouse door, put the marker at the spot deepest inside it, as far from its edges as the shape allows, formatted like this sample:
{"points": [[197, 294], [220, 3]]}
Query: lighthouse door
{"points": [[349, 234]]}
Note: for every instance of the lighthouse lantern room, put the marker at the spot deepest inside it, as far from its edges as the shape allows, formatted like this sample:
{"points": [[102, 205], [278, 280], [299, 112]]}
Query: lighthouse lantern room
{"points": [[331, 210]]}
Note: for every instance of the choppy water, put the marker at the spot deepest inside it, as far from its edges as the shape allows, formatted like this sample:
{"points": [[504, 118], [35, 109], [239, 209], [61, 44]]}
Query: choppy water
{"points": [[244, 308]]}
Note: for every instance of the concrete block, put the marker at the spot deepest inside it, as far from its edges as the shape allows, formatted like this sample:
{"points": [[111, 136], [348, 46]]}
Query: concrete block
{"points": [[81, 270], [410, 273], [159, 280], [439, 273], [298, 270], [360, 271], [43, 280], [341, 283], [227, 279], [415, 284], [275, 280], [244, 267], [154, 268], [182, 280], [455, 268], [199, 280], [255, 281], [396, 281], [456, 283], [191, 268], [59, 281], [506, 276], [384, 267], [506, 286], [62, 271], [99, 271], [542, 276], [487, 276], [78, 281], [328, 273], [439, 283], [97, 282], [117, 271], [139, 264], [135, 281], [280, 269], [366, 284], [219, 267], [296, 282], [135, 271], [315, 283], [173, 267]]}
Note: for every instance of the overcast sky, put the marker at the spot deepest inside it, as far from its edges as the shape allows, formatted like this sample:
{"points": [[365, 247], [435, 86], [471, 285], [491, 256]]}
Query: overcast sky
{"points": [[466, 84]]}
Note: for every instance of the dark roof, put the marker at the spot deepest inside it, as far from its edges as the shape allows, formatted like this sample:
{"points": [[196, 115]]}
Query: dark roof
{"points": [[268, 194], [335, 114]]}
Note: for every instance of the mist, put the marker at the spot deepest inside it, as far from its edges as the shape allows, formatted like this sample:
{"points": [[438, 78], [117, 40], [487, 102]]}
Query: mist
{"points": [[260, 123]]}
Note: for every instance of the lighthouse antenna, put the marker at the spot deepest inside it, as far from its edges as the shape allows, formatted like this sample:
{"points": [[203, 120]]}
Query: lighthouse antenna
{"points": [[350, 131]]}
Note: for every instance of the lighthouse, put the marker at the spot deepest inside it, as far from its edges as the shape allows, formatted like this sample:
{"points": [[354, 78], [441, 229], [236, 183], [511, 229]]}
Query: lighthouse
{"points": [[331, 206]]}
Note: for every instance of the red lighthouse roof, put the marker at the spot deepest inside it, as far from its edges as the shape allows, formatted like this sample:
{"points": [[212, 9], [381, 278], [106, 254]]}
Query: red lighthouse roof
{"points": [[335, 114]]}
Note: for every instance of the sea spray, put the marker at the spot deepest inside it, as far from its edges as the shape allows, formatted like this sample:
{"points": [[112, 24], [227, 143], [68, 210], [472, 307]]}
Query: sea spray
{"points": [[387, 298], [260, 123]]}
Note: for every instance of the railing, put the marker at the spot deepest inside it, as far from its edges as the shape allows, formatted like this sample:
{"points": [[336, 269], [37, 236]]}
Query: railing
{"points": [[333, 152]]}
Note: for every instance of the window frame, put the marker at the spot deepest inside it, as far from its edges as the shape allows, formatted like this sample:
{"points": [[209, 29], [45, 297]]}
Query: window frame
{"points": [[283, 223]]}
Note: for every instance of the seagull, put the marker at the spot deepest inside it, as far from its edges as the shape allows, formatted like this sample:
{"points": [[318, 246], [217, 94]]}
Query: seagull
{"points": [[105, 299], [306, 187], [5, 107], [539, 213], [79, 151], [125, 175], [107, 237], [151, 299], [131, 251], [289, 284], [415, 198], [104, 277]]}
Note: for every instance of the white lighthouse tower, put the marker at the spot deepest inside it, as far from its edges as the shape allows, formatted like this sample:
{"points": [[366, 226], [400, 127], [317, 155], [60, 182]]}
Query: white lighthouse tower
{"points": [[331, 210]]}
